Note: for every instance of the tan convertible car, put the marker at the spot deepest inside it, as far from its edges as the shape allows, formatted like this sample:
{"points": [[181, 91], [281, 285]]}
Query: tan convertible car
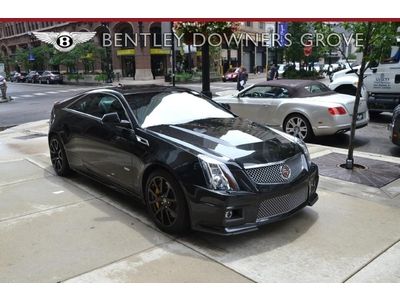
{"points": [[302, 108]]}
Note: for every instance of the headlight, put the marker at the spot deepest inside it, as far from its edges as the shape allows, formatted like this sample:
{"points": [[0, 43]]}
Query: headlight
{"points": [[217, 174], [305, 150]]}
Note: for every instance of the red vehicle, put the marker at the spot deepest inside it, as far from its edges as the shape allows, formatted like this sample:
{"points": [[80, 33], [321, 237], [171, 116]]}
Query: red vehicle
{"points": [[231, 75]]}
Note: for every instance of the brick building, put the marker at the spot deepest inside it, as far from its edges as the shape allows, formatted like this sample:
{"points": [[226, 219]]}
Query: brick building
{"points": [[143, 62]]}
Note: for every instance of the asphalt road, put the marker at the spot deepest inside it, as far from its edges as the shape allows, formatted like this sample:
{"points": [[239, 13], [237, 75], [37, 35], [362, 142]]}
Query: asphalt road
{"points": [[34, 102]]}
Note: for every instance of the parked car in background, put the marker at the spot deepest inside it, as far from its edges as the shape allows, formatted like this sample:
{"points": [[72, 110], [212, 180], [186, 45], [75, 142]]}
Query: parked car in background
{"points": [[281, 69], [192, 162], [394, 126], [231, 74], [51, 77], [19, 77], [33, 77], [302, 108]]}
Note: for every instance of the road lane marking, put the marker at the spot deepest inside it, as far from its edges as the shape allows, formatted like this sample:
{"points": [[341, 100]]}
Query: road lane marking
{"points": [[51, 92], [39, 94], [26, 96]]}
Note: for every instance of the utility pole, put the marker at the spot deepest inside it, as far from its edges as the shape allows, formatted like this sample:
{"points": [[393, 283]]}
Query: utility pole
{"points": [[205, 72], [173, 54], [276, 46]]}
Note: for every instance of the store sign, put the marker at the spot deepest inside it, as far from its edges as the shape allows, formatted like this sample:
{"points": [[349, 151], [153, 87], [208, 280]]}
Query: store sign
{"points": [[160, 51], [282, 31], [125, 52]]}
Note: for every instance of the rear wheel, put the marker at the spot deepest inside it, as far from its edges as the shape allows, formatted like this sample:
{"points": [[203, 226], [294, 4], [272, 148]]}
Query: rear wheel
{"points": [[166, 203], [298, 126], [58, 157]]}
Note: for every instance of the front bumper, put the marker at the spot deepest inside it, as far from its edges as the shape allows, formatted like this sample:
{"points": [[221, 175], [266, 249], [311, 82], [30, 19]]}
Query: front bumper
{"points": [[250, 210]]}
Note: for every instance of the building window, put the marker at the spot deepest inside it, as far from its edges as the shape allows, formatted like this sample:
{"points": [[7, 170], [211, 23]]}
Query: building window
{"points": [[248, 24], [261, 25]]}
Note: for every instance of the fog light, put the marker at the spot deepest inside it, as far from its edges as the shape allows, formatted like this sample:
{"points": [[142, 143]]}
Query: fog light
{"points": [[228, 214]]}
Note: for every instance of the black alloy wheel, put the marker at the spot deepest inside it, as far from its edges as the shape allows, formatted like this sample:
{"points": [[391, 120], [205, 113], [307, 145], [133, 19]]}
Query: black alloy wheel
{"points": [[58, 157], [166, 203]]}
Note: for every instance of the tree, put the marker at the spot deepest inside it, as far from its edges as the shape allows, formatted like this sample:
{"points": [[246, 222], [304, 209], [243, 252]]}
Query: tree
{"points": [[377, 40], [295, 52], [188, 29]]}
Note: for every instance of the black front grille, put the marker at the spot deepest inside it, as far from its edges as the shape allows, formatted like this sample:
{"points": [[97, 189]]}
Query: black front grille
{"points": [[281, 204], [271, 173]]}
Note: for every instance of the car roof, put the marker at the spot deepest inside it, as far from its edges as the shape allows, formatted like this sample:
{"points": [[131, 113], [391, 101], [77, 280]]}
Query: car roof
{"points": [[144, 89], [140, 89], [295, 86]]}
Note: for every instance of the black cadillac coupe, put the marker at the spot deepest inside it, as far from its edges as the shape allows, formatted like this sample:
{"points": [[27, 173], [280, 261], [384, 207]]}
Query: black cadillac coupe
{"points": [[194, 164]]}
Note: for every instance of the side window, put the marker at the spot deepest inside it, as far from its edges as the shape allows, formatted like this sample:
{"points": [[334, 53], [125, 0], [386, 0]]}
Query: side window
{"points": [[258, 92], [281, 93], [266, 92], [316, 88], [110, 104], [89, 105], [98, 105]]}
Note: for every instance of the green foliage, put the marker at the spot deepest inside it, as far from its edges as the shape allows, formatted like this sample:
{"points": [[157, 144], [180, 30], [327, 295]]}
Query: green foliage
{"points": [[101, 77], [75, 76], [183, 77], [383, 36], [46, 56], [205, 28], [295, 52]]}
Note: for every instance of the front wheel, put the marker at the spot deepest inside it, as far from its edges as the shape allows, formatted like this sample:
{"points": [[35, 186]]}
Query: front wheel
{"points": [[58, 157], [298, 126], [166, 203]]}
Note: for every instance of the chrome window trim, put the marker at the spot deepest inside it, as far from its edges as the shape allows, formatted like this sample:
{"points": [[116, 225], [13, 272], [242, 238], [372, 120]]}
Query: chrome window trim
{"points": [[271, 163], [94, 117]]}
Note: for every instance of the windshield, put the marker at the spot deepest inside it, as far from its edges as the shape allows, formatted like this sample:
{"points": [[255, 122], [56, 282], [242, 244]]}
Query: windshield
{"points": [[168, 108]]}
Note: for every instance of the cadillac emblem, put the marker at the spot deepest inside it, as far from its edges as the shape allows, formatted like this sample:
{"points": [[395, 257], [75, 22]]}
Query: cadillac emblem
{"points": [[285, 172]]}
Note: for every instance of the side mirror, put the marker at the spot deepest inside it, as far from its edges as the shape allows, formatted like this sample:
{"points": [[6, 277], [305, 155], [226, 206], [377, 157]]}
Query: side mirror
{"points": [[111, 118]]}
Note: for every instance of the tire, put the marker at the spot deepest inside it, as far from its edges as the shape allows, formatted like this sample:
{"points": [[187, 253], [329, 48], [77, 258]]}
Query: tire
{"points": [[298, 126], [166, 203], [48, 81], [58, 157]]}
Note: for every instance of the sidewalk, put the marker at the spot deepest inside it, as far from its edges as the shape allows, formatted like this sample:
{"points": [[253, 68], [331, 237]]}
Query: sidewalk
{"points": [[55, 229]]}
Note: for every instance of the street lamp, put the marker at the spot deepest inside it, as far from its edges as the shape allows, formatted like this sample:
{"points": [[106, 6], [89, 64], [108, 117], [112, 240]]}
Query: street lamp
{"points": [[108, 61], [173, 54], [270, 30]]}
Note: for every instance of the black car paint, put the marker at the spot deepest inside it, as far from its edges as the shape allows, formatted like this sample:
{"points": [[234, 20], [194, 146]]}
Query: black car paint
{"points": [[122, 158], [394, 126]]}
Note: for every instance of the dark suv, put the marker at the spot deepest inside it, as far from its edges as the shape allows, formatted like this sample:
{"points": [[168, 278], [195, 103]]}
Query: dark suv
{"points": [[51, 77], [33, 77]]}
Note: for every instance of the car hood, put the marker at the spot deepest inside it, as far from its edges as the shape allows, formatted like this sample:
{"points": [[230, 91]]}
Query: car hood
{"points": [[237, 139]]}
